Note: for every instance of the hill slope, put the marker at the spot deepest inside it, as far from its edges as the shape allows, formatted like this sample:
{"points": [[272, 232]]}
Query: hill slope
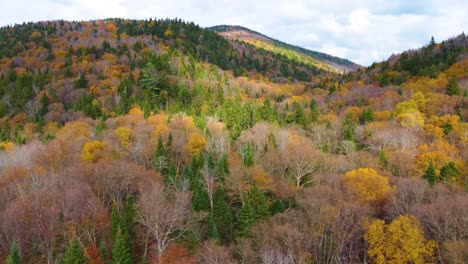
{"points": [[318, 59]]}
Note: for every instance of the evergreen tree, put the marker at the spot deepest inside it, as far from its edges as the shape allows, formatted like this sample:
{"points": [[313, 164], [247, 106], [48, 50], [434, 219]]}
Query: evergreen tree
{"points": [[452, 87], [211, 162], [430, 174], [367, 116], [14, 257], [75, 253], [121, 254], [129, 214], [213, 230], [245, 219], [103, 250], [448, 171], [277, 207], [248, 155], [259, 203], [348, 128], [223, 166], [299, 116], [315, 112], [200, 200], [222, 215], [116, 221]]}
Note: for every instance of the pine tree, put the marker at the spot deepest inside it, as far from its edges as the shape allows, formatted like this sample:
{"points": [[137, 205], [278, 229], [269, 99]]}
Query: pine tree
{"points": [[222, 215], [315, 112], [116, 221], [211, 162], [245, 219], [452, 87], [14, 257], [213, 230], [430, 174], [223, 166], [248, 155], [448, 171], [121, 253], [348, 128], [103, 250], [201, 200], [277, 207], [259, 203], [129, 214], [75, 253]]}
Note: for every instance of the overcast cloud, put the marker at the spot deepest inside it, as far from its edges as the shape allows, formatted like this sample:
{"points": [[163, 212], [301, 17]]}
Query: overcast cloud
{"points": [[363, 31]]}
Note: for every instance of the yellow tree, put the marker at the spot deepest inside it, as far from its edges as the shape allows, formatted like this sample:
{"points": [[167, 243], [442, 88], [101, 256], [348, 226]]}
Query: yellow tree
{"points": [[401, 241], [367, 185], [95, 151], [196, 143]]}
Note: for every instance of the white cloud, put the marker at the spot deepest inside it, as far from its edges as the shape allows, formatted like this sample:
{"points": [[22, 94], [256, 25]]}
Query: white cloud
{"points": [[363, 31]]}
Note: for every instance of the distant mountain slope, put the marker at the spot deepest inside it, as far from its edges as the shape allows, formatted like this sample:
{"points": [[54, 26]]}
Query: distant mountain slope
{"points": [[321, 60], [428, 61]]}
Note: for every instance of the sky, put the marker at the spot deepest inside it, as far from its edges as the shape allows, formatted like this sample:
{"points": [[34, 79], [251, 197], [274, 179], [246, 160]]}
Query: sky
{"points": [[363, 31]]}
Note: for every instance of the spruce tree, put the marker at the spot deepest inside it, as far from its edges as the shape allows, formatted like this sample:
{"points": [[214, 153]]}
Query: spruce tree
{"points": [[448, 171], [103, 250], [222, 215], [259, 203], [277, 207], [201, 200], [121, 253], [213, 230], [452, 87], [75, 253], [248, 155], [430, 174], [245, 219], [315, 112], [348, 128], [14, 257], [116, 221]]}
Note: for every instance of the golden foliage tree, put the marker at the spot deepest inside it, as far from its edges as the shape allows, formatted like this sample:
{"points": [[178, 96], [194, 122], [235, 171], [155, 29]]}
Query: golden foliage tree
{"points": [[95, 151], [401, 241], [367, 185], [196, 143]]}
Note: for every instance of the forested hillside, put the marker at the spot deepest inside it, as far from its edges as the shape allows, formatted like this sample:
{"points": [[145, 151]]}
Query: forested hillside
{"points": [[158, 141], [308, 57]]}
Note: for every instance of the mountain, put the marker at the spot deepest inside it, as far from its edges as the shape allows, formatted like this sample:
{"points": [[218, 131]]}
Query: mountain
{"points": [[309, 57], [427, 61], [160, 141]]}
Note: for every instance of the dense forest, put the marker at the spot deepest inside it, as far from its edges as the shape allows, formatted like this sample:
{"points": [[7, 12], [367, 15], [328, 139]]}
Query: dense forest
{"points": [[159, 141]]}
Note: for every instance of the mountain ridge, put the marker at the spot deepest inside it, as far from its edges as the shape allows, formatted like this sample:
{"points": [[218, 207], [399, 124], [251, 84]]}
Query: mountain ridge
{"points": [[241, 33]]}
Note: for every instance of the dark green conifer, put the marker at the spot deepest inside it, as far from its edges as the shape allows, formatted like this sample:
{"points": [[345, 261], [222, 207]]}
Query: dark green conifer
{"points": [[75, 253], [121, 253], [430, 174], [14, 257], [259, 203]]}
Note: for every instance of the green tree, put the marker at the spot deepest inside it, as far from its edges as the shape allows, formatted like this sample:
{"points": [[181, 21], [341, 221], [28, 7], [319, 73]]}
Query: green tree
{"points": [[348, 128], [116, 221], [452, 87], [121, 254], [367, 116], [222, 215], [75, 253], [14, 257], [448, 171], [245, 219], [315, 112], [430, 175], [259, 203], [299, 116], [247, 154]]}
